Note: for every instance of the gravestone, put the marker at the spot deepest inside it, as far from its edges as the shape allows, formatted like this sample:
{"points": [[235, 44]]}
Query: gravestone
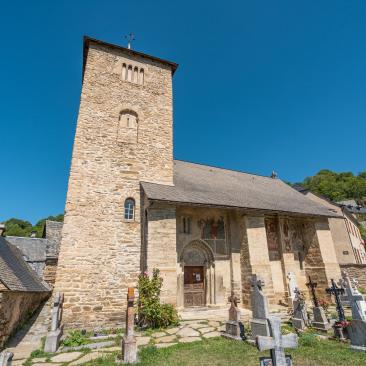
{"points": [[357, 335], [276, 343], [355, 298], [292, 286], [320, 321], [357, 329], [6, 358], [129, 345], [300, 318], [54, 335], [259, 303], [233, 326]]}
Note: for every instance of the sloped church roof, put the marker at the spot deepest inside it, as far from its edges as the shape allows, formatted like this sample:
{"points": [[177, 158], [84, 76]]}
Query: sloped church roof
{"points": [[205, 185]]}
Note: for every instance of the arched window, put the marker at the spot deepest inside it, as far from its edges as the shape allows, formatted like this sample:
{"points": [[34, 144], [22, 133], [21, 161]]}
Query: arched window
{"points": [[135, 75], [141, 77], [129, 73], [129, 209], [124, 72]]}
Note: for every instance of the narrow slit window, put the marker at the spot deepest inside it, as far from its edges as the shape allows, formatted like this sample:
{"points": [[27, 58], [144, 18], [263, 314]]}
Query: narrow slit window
{"points": [[141, 77]]}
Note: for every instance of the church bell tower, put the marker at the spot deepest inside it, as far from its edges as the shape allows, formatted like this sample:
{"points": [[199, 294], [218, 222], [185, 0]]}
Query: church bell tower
{"points": [[124, 135]]}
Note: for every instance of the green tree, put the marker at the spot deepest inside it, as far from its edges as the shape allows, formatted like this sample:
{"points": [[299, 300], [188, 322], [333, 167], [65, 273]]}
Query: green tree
{"points": [[17, 227]]}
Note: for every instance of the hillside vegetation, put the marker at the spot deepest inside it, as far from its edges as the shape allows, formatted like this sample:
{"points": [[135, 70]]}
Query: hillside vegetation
{"points": [[17, 227], [338, 186]]}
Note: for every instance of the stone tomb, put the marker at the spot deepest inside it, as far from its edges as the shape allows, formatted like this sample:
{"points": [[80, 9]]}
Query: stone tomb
{"points": [[276, 343], [234, 326], [300, 318], [320, 321], [259, 302], [54, 335]]}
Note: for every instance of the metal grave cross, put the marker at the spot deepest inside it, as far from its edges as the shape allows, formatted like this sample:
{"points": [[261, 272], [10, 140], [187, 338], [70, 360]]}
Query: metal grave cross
{"points": [[312, 286], [277, 342], [336, 291]]}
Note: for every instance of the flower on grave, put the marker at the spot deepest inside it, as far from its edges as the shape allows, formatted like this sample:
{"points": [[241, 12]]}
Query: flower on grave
{"points": [[342, 324]]}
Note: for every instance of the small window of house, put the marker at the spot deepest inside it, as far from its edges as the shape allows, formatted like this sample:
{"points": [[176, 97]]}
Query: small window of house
{"points": [[129, 209]]}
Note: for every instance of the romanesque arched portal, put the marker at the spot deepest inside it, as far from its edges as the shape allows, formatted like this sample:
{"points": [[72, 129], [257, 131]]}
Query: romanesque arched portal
{"points": [[196, 281]]}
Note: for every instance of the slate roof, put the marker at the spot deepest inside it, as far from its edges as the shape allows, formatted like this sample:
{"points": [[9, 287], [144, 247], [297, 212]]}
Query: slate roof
{"points": [[206, 185], [37, 249], [34, 249], [15, 273]]}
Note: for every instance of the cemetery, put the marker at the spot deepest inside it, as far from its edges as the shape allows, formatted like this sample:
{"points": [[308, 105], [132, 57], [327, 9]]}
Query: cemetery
{"points": [[310, 336]]}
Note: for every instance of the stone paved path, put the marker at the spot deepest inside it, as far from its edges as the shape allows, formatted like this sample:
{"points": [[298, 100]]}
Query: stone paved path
{"points": [[186, 332], [29, 337], [195, 326]]}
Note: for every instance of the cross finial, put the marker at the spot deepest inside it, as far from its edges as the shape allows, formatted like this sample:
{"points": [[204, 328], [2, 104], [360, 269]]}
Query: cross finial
{"points": [[130, 37]]}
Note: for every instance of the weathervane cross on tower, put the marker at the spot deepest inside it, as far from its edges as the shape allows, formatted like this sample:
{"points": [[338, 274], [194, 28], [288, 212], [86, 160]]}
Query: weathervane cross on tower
{"points": [[130, 37]]}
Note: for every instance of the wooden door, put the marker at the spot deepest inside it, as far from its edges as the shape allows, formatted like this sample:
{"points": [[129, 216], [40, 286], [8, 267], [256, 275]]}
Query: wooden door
{"points": [[194, 286]]}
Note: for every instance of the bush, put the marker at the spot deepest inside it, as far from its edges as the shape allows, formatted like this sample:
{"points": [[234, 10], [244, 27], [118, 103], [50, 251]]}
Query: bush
{"points": [[74, 338], [151, 313]]}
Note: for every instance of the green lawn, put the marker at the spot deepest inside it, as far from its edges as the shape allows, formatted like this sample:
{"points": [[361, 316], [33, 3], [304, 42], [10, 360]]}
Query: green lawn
{"points": [[219, 351]]}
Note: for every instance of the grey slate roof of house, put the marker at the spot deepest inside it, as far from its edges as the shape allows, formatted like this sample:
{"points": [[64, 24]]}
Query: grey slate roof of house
{"points": [[37, 249], [206, 185], [15, 273], [34, 249]]}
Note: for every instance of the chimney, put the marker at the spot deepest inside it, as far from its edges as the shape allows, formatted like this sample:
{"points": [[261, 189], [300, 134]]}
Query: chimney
{"points": [[2, 229]]}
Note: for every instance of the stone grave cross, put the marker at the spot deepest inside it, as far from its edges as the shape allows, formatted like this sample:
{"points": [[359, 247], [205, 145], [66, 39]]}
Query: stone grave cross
{"points": [[277, 342], [234, 312], [336, 291], [233, 325], [129, 344], [356, 299], [292, 286], [312, 286]]}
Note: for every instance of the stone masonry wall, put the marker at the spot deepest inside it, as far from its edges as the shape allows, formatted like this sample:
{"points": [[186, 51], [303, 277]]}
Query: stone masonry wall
{"points": [[255, 257], [16, 307], [100, 251], [161, 249], [356, 271]]}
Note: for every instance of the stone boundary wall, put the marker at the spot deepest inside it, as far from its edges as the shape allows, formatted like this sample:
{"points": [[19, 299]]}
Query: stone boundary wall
{"points": [[357, 271], [49, 273], [15, 308]]}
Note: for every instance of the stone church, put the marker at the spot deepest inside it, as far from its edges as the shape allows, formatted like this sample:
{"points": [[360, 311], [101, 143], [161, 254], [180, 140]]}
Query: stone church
{"points": [[131, 207]]}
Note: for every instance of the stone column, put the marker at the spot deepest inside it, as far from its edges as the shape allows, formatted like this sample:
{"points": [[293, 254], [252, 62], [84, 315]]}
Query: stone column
{"points": [[161, 249], [255, 257]]}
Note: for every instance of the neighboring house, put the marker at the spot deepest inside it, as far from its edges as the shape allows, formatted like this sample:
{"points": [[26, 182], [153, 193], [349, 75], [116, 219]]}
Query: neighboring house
{"points": [[41, 253], [349, 245], [21, 289]]}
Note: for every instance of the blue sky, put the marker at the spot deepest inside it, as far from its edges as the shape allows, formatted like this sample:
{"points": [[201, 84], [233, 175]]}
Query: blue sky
{"points": [[261, 85]]}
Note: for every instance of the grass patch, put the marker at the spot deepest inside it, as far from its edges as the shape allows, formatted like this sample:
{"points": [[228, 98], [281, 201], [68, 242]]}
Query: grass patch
{"points": [[222, 352]]}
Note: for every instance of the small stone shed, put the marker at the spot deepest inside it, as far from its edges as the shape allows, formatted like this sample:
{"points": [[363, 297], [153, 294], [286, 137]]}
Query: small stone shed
{"points": [[21, 290]]}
